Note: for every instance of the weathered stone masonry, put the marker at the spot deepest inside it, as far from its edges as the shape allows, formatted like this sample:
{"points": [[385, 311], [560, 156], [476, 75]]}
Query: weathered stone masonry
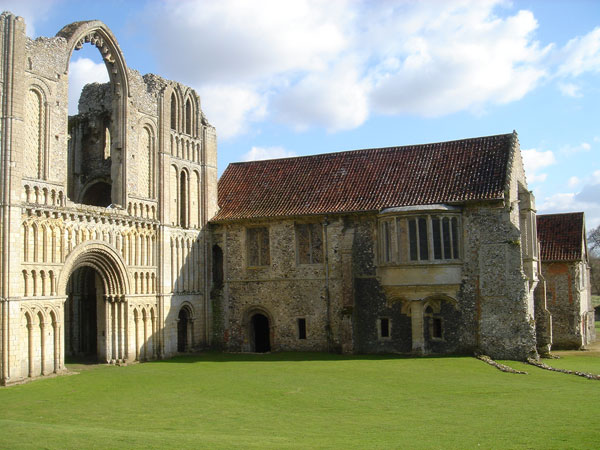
{"points": [[114, 248], [416, 257], [103, 214]]}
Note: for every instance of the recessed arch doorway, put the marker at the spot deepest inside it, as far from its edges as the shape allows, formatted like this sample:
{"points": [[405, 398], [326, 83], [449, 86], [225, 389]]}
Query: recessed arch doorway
{"points": [[95, 282], [260, 333]]}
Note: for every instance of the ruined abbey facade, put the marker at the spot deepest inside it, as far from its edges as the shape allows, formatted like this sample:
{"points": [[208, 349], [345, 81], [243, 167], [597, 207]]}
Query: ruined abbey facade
{"points": [[119, 246], [104, 214]]}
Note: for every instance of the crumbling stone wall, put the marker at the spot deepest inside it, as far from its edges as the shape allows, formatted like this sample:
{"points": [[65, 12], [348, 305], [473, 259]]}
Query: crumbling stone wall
{"points": [[151, 263], [568, 302]]}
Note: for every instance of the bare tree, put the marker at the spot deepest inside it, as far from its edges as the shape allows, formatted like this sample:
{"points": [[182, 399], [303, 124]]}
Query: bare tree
{"points": [[594, 247], [594, 241]]}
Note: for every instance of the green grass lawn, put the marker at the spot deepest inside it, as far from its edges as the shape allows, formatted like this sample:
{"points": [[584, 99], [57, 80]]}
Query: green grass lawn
{"points": [[595, 300], [306, 401]]}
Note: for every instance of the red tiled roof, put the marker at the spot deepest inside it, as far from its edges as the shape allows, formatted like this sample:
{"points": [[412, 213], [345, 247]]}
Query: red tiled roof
{"points": [[366, 180], [560, 236]]}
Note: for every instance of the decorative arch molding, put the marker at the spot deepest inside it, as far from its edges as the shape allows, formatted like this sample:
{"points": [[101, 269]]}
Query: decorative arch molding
{"points": [[99, 35], [189, 308], [102, 258], [256, 309]]}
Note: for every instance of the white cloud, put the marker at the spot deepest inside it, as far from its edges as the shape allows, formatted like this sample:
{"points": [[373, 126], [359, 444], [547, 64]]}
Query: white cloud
{"points": [[260, 153], [570, 89], [534, 160], [81, 72], [460, 59], [310, 63], [231, 108], [574, 181], [586, 200], [572, 149], [581, 54], [335, 99], [332, 64], [31, 10], [237, 40]]}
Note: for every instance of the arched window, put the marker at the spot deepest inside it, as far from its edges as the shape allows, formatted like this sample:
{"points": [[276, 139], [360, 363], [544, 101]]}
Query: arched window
{"points": [[173, 112], [183, 189], [188, 117]]}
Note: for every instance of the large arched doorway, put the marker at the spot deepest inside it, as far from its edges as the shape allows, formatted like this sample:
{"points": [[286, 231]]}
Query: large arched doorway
{"points": [[85, 321], [260, 333], [94, 280]]}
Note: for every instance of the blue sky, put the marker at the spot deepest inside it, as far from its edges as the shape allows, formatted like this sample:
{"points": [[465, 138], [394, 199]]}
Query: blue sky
{"points": [[284, 78]]}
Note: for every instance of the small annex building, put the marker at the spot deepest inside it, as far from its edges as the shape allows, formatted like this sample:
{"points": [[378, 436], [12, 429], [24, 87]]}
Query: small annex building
{"points": [[566, 271], [424, 249]]}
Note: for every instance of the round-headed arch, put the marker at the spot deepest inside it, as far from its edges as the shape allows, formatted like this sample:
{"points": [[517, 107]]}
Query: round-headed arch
{"points": [[102, 258]]}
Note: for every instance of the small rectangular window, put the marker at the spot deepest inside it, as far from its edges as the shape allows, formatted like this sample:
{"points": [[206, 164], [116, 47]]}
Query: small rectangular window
{"points": [[302, 328], [423, 240], [384, 327], [455, 237], [412, 236], [437, 238], [386, 241], [446, 234]]}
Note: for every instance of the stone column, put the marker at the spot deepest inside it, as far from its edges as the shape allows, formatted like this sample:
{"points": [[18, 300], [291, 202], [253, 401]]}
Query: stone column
{"points": [[416, 322], [56, 329], [145, 343], [43, 347], [30, 344]]}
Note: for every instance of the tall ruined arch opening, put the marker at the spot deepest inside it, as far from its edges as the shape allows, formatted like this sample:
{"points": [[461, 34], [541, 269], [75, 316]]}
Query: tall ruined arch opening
{"points": [[96, 128]]}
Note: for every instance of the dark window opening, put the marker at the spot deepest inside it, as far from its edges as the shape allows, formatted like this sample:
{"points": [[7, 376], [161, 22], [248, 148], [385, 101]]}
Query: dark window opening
{"points": [[301, 328], [261, 333], [384, 324], [97, 194], [423, 241], [436, 328], [188, 117], [173, 112], [437, 238], [183, 199], [182, 330], [412, 233], [217, 266], [455, 237]]}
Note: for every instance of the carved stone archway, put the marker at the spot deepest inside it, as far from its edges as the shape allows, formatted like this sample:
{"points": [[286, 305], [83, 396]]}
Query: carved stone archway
{"points": [[111, 300]]}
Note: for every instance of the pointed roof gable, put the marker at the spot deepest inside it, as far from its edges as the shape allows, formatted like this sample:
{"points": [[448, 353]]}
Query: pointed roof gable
{"points": [[561, 236], [367, 180]]}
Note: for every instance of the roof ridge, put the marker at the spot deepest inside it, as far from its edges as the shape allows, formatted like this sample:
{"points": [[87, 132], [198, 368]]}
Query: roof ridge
{"points": [[370, 149]]}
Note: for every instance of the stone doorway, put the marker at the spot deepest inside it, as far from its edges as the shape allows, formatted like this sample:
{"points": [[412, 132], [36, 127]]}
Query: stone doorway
{"points": [[260, 333], [85, 331], [183, 330]]}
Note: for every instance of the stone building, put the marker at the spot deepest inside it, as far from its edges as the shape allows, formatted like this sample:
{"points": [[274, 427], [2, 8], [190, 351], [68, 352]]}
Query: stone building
{"points": [[114, 249], [566, 270], [103, 214], [427, 248]]}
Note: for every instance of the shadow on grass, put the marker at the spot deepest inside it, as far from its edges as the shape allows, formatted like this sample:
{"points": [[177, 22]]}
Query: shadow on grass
{"points": [[214, 356]]}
